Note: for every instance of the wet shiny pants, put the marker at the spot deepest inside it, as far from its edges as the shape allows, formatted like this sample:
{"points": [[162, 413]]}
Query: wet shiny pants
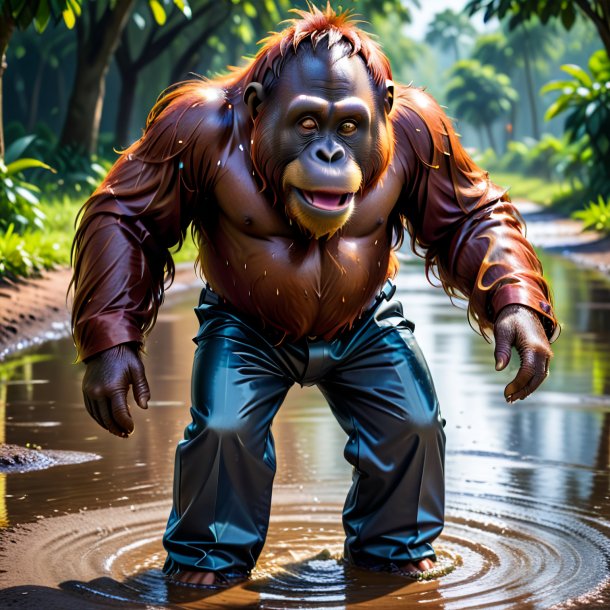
{"points": [[378, 386]]}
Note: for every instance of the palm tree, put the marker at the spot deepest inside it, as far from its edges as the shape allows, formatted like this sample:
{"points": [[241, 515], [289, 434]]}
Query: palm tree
{"points": [[480, 95], [533, 45], [527, 48], [450, 30]]}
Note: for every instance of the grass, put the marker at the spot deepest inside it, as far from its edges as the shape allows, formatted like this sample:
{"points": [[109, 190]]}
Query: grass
{"points": [[28, 254], [531, 188]]}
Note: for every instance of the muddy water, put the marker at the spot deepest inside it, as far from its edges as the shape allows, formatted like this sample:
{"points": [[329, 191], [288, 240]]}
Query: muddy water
{"points": [[528, 521]]}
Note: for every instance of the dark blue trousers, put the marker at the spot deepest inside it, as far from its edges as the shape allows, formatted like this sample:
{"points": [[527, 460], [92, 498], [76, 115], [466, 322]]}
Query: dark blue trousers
{"points": [[378, 386]]}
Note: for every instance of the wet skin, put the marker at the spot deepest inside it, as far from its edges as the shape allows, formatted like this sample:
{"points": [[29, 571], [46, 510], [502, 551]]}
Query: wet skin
{"points": [[326, 111], [325, 244]]}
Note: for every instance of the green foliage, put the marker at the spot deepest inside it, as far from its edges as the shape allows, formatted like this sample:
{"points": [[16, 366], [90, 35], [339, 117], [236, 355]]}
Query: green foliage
{"points": [[549, 157], [520, 11], [28, 254], [19, 199], [159, 12], [586, 101], [493, 50], [596, 215], [74, 173], [40, 12], [479, 94], [450, 30]]}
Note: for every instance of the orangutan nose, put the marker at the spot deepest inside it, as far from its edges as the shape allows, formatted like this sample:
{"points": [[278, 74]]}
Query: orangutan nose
{"points": [[329, 152]]}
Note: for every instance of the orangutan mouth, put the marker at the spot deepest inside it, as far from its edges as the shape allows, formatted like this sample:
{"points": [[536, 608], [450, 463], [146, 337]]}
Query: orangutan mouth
{"points": [[326, 200]]}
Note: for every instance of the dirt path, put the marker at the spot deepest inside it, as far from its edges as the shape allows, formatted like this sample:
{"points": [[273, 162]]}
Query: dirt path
{"points": [[34, 311]]}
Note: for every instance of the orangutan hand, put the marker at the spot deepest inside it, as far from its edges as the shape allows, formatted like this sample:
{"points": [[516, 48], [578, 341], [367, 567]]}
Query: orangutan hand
{"points": [[106, 382], [520, 326]]}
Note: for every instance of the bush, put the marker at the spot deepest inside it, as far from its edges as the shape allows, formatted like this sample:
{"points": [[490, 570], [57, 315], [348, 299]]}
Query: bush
{"points": [[27, 255], [586, 101], [75, 174], [595, 215], [19, 199]]}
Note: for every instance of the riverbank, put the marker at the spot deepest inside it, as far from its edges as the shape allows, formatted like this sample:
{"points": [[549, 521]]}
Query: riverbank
{"points": [[37, 310], [33, 311]]}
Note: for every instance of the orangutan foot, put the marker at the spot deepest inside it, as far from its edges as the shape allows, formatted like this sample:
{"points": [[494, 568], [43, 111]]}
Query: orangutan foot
{"points": [[197, 579], [417, 567]]}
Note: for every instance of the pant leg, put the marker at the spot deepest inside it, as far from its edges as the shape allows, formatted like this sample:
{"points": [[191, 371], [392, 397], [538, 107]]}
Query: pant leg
{"points": [[226, 463], [382, 394]]}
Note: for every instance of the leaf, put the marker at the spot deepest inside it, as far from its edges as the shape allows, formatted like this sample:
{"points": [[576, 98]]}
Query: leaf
{"points": [[43, 14], [17, 148], [578, 73], [557, 107], [158, 11], [69, 17], [27, 195], [75, 5], [568, 16], [21, 164], [557, 85], [184, 7]]}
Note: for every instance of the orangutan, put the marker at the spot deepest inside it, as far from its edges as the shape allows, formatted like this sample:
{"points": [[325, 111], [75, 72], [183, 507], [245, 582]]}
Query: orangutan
{"points": [[299, 174]]}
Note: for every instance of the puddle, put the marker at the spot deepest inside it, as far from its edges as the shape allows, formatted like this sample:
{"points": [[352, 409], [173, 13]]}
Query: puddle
{"points": [[528, 502]]}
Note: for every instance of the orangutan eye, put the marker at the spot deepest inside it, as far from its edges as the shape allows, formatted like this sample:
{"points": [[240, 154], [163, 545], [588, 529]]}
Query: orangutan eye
{"points": [[347, 128], [308, 124]]}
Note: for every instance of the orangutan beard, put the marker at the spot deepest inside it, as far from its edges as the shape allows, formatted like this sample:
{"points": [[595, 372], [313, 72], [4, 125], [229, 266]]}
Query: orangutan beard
{"points": [[320, 210]]}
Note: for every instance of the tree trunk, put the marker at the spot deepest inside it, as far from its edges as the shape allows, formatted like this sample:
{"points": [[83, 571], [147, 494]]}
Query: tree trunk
{"points": [[601, 21], [456, 50], [129, 83], [95, 51], [531, 90], [6, 30], [191, 55], [35, 99], [490, 136]]}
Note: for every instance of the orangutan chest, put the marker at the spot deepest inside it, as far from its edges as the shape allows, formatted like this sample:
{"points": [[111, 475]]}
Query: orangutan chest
{"points": [[302, 288]]}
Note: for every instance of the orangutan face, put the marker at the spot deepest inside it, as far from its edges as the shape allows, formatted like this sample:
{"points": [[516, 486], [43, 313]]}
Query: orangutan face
{"points": [[321, 136]]}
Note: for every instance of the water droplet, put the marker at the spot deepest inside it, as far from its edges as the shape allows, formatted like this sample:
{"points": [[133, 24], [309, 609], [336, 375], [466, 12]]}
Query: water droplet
{"points": [[241, 147], [227, 262], [179, 141], [245, 265], [376, 242], [277, 292]]}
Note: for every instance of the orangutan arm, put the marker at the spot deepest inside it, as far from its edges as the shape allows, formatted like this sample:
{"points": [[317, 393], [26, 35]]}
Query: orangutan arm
{"points": [[141, 209], [470, 233]]}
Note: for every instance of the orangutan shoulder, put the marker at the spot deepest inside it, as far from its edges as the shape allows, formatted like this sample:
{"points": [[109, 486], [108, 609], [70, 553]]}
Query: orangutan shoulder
{"points": [[191, 111], [421, 126]]}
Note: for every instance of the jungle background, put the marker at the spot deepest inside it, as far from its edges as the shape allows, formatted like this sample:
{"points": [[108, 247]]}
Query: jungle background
{"points": [[528, 81]]}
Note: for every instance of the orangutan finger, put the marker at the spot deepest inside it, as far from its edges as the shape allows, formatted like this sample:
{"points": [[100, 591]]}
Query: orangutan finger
{"points": [[90, 406], [104, 409], [524, 375], [120, 413], [531, 386]]}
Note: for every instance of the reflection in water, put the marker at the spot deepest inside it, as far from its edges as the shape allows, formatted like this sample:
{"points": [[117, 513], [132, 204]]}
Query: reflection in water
{"points": [[528, 484]]}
